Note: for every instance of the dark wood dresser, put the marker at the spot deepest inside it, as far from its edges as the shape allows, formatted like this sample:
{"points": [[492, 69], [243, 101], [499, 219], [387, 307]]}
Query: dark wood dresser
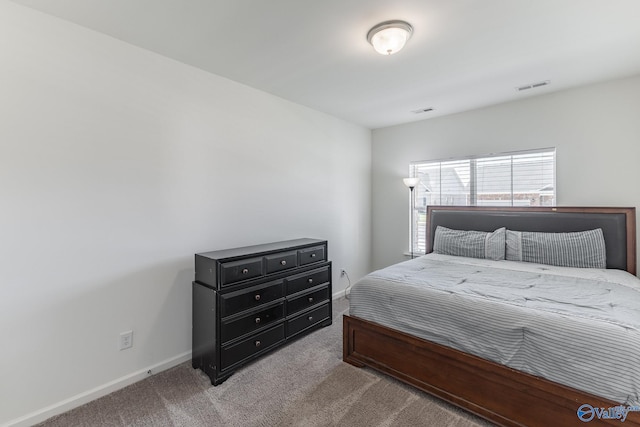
{"points": [[248, 301]]}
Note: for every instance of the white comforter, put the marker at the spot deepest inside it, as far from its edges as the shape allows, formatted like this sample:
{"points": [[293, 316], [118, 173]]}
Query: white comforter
{"points": [[578, 327]]}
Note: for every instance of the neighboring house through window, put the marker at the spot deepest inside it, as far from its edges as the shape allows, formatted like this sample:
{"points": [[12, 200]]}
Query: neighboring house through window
{"points": [[523, 178]]}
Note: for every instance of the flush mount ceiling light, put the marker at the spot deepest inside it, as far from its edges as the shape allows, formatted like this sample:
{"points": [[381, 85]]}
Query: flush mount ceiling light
{"points": [[389, 37]]}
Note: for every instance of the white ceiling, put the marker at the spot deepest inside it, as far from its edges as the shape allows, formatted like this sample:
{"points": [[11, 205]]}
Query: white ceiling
{"points": [[464, 54]]}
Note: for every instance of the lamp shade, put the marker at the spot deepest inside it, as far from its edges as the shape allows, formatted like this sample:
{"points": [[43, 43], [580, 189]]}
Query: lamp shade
{"points": [[389, 37], [411, 182]]}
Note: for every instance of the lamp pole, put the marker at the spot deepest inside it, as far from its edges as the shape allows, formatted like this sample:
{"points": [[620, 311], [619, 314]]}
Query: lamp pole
{"points": [[411, 183]]}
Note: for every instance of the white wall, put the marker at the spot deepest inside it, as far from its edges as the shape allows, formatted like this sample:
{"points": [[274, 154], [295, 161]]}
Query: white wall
{"points": [[596, 131], [116, 166]]}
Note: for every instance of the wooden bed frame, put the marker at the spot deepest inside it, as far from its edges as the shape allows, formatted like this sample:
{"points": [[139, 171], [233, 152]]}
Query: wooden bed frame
{"points": [[495, 392]]}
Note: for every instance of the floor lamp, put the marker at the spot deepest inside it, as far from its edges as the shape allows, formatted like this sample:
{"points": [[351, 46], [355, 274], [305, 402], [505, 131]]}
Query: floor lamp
{"points": [[411, 183]]}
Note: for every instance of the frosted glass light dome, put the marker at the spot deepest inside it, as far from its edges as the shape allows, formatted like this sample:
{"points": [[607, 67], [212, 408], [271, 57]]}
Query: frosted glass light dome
{"points": [[389, 37]]}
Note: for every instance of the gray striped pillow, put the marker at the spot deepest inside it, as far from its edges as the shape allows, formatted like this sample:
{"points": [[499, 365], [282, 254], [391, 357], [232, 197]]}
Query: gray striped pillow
{"points": [[584, 249], [472, 244]]}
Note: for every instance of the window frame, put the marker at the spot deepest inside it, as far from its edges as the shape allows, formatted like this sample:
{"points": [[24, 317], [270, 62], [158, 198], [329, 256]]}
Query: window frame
{"points": [[547, 197]]}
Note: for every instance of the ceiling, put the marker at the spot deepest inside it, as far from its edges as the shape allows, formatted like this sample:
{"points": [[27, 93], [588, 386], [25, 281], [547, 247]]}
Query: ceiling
{"points": [[463, 54]]}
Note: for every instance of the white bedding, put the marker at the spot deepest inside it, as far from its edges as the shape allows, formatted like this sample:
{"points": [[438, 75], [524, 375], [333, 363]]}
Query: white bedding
{"points": [[578, 327]]}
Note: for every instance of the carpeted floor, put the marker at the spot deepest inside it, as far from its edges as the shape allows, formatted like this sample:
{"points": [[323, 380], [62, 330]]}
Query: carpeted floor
{"points": [[302, 384]]}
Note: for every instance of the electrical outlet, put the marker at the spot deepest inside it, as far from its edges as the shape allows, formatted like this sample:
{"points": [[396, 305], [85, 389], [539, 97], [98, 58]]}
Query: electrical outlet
{"points": [[126, 340], [343, 272]]}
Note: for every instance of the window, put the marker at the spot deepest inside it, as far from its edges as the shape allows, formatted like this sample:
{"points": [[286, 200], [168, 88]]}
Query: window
{"points": [[524, 178]]}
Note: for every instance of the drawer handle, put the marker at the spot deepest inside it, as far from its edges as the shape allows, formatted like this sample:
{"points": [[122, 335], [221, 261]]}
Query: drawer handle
{"points": [[258, 343], [257, 297], [310, 280], [313, 255], [258, 320], [310, 318], [283, 262], [310, 299], [245, 270]]}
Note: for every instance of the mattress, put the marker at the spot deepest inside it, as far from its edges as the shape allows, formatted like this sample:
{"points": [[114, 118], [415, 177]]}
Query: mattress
{"points": [[574, 326]]}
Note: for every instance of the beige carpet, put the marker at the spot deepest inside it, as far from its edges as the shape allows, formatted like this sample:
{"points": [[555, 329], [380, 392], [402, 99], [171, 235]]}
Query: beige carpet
{"points": [[358, 398], [303, 384]]}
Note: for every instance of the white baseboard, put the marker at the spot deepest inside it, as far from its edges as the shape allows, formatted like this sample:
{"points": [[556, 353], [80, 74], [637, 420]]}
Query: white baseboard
{"points": [[339, 294], [103, 390]]}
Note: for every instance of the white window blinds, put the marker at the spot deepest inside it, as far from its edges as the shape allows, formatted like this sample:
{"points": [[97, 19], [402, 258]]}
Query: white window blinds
{"points": [[525, 178]]}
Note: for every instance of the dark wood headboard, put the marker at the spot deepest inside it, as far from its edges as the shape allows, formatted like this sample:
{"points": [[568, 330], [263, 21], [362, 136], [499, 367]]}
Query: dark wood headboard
{"points": [[618, 225]]}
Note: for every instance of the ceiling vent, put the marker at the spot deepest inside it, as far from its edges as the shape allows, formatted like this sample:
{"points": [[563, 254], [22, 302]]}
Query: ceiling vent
{"points": [[533, 85], [422, 110]]}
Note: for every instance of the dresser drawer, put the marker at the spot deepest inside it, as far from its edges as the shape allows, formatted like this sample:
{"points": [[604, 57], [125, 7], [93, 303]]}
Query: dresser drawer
{"points": [[281, 261], [307, 300], [246, 299], [235, 327], [231, 272], [236, 353], [307, 280], [306, 320], [311, 255]]}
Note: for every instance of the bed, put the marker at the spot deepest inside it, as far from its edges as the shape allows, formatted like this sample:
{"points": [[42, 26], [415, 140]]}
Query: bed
{"points": [[554, 345]]}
